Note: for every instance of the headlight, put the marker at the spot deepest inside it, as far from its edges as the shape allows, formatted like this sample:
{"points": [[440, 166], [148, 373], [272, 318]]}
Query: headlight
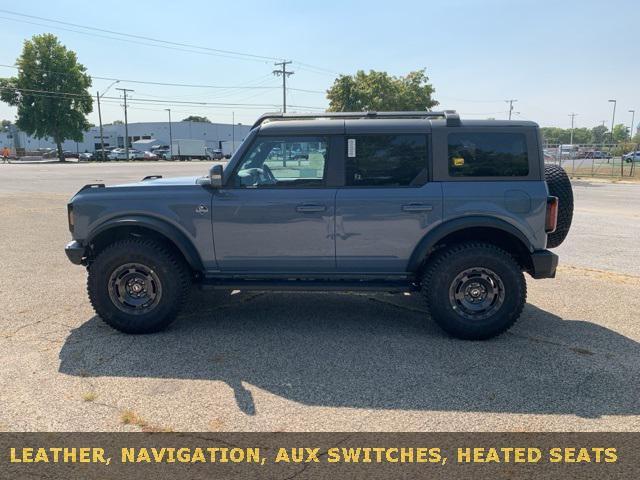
{"points": [[70, 215]]}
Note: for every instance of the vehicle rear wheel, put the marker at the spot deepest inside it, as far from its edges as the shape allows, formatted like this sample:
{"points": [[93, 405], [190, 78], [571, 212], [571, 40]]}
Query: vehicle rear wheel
{"points": [[559, 186], [474, 291], [138, 285]]}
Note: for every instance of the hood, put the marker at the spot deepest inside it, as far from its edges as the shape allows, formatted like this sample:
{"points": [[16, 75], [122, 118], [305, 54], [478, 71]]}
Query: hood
{"points": [[155, 182]]}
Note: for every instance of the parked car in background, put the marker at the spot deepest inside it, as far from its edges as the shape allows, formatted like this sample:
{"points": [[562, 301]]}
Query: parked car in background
{"points": [[149, 155], [632, 157], [121, 154], [163, 153], [116, 154], [597, 154], [85, 157], [102, 155], [136, 154], [215, 154]]}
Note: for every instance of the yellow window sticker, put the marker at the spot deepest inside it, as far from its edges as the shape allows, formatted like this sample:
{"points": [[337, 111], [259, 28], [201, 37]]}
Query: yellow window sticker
{"points": [[458, 161]]}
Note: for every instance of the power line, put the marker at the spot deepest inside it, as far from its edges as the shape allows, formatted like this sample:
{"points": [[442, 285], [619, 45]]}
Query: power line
{"points": [[158, 42], [142, 37], [149, 101], [229, 88]]}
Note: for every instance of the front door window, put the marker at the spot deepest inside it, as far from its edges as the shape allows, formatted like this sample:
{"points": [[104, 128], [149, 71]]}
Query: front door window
{"points": [[283, 163]]}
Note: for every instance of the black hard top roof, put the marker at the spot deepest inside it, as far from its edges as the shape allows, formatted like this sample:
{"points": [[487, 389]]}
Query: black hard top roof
{"points": [[336, 122]]}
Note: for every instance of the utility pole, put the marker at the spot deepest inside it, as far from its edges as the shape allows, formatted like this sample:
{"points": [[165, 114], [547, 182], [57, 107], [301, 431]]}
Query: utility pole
{"points": [[233, 133], [510, 102], [613, 117], [633, 118], [572, 115], [284, 73], [170, 134], [126, 122]]}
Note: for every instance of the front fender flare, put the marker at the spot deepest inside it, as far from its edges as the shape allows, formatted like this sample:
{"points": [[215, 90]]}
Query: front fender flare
{"points": [[427, 243], [171, 232]]}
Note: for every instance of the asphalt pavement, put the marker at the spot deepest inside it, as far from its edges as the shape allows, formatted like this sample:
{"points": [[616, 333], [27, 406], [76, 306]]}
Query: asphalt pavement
{"points": [[312, 362]]}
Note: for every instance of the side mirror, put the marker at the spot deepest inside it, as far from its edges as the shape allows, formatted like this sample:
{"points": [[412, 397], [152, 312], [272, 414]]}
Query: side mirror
{"points": [[215, 176]]}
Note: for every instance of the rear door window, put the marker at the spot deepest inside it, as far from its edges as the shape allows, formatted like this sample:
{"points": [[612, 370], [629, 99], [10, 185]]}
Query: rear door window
{"points": [[386, 160], [488, 155]]}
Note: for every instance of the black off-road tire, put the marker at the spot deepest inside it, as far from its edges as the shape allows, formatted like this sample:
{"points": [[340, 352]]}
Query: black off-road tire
{"points": [[169, 275], [442, 274], [559, 186]]}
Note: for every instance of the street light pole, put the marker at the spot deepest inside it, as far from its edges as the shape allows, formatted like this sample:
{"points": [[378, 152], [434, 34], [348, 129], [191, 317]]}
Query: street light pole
{"points": [[633, 118], [572, 115], [101, 132], [613, 117], [100, 117], [170, 133], [233, 133]]}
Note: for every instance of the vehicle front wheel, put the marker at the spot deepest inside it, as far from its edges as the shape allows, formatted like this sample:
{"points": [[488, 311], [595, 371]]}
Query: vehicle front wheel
{"points": [[474, 291], [138, 285]]}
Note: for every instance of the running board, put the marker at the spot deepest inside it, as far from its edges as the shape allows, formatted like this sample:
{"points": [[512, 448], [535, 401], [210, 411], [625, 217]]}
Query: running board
{"points": [[395, 286]]}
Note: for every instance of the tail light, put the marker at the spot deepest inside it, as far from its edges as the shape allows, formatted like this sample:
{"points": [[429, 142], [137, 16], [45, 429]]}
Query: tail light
{"points": [[70, 217], [551, 220]]}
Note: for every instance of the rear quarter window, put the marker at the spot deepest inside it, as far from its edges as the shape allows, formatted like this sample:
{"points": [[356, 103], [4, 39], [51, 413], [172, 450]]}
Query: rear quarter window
{"points": [[477, 154]]}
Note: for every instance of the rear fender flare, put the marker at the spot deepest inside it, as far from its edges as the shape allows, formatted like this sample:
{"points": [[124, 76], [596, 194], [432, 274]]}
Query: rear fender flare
{"points": [[424, 247]]}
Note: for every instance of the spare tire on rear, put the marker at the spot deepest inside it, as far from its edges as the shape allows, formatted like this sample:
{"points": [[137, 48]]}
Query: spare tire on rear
{"points": [[559, 186]]}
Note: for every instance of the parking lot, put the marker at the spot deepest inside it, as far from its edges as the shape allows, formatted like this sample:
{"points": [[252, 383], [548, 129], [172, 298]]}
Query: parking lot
{"points": [[313, 362]]}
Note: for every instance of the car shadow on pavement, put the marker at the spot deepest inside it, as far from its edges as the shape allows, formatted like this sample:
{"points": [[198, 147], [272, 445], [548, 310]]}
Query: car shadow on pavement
{"points": [[371, 351]]}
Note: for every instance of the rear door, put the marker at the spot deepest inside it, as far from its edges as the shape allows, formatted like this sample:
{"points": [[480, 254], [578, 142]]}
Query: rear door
{"points": [[387, 203]]}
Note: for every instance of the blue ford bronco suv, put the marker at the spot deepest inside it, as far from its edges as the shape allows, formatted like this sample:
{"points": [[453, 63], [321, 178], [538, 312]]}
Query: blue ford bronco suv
{"points": [[390, 201]]}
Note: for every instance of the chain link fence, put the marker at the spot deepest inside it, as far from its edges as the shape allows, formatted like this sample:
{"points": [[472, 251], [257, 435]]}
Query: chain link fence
{"points": [[603, 160]]}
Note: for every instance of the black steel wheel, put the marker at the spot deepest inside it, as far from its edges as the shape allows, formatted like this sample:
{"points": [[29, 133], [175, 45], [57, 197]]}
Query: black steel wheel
{"points": [[474, 291], [138, 285], [135, 288]]}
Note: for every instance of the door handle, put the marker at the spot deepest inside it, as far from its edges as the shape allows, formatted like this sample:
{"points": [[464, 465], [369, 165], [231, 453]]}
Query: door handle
{"points": [[310, 208], [417, 207]]}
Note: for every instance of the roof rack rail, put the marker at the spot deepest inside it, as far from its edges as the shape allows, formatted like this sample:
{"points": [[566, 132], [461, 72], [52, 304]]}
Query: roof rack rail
{"points": [[451, 116]]}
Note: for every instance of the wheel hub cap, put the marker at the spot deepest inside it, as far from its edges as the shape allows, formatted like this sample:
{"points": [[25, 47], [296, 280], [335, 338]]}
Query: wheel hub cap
{"points": [[134, 288], [476, 293]]}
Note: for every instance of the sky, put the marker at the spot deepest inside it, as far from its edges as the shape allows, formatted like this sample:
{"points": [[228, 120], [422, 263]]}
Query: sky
{"points": [[555, 57]]}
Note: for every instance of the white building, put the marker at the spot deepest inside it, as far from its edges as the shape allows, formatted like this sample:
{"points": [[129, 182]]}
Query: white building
{"points": [[216, 135]]}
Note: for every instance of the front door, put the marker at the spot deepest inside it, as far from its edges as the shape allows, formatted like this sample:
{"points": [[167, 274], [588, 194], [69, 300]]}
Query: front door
{"points": [[276, 214]]}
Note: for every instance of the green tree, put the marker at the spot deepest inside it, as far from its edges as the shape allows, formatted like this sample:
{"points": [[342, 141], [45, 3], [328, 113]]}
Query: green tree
{"points": [[620, 133], [555, 135], [379, 91], [5, 123], [581, 135], [116, 122], [196, 118], [50, 91], [599, 134]]}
